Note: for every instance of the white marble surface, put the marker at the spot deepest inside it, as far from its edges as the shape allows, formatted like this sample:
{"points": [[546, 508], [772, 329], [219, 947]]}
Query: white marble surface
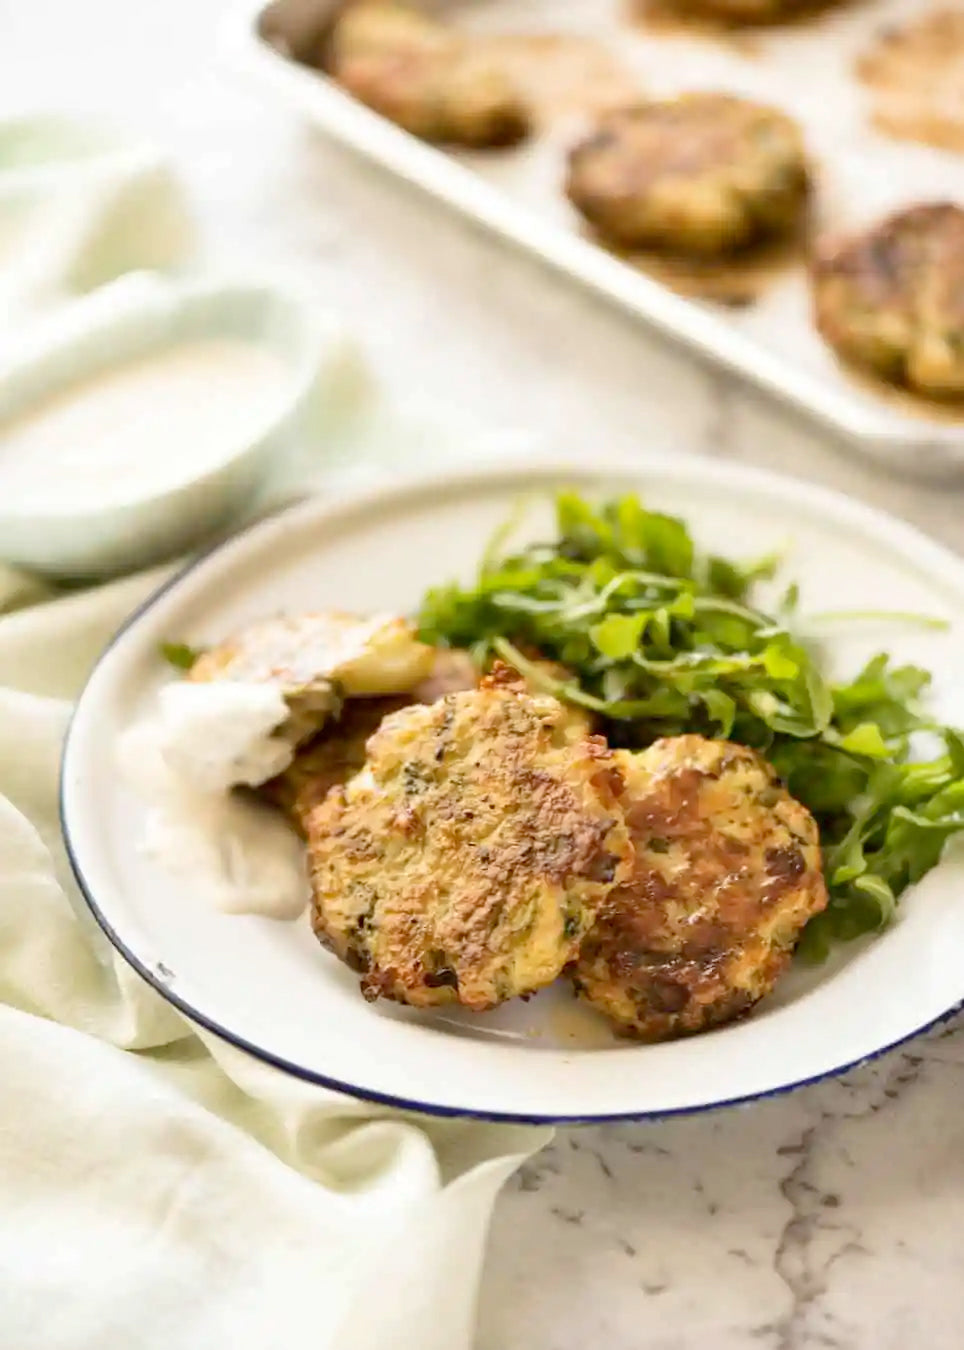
{"points": [[830, 1218]]}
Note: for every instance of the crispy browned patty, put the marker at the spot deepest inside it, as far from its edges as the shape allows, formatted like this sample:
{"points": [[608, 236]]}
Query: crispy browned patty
{"points": [[892, 298], [425, 77], [470, 857], [317, 659], [338, 751], [727, 872], [335, 755], [750, 11], [704, 174]]}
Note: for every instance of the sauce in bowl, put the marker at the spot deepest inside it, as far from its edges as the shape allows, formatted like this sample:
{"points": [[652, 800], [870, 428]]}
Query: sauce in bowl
{"points": [[139, 427]]}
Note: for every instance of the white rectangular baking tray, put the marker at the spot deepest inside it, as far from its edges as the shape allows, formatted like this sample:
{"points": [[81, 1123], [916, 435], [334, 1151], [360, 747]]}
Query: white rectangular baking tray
{"points": [[516, 193]]}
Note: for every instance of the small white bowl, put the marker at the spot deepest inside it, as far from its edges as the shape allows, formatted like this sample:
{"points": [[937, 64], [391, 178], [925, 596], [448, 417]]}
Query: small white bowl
{"points": [[132, 318]]}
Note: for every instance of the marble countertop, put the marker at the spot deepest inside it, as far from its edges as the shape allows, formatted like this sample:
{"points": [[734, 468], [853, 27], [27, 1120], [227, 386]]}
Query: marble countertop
{"points": [[831, 1217]]}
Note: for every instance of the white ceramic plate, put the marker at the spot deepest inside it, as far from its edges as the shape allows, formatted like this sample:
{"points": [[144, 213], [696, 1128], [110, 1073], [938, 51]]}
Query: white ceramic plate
{"points": [[269, 988]]}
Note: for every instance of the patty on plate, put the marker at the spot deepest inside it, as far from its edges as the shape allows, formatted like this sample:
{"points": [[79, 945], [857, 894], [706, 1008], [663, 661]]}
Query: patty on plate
{"points": [[331, 758], [424, 76], [891, 299], [337, 752], [469, 858], [727, 872], [317, 660], [750, 11], [704, 174]]}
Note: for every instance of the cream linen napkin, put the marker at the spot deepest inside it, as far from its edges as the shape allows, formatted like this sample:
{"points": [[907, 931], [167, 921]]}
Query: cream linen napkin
{"points": [[159, 1190], [81, 204]]}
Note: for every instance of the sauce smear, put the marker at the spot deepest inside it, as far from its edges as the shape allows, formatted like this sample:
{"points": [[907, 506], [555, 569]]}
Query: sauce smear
{"points": [[185, 761]]}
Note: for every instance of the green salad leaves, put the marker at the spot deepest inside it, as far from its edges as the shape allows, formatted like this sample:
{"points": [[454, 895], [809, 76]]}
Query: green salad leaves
{"points": [[661, 640], [180, 655]]}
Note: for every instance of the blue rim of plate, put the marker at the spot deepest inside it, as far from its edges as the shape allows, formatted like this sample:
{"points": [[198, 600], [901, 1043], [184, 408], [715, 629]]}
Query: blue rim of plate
{"points": [[748, 476]]}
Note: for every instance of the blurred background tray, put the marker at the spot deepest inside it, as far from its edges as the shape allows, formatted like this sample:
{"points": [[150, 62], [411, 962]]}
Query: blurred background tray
{"points": [[754, 321]]}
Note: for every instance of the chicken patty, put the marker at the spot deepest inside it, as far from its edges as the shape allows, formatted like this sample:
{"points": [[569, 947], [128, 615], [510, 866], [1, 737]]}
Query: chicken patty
{"points": [[469, 858], [425, 77], [891, 299], [704, 174], [331, 758], [337, 753], [727, 872], [749, 11], [317, 660]]}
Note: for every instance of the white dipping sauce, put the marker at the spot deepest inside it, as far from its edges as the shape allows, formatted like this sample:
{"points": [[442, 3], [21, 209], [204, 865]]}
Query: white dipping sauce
{"points": [[140, 427], [218, 735], [182, 761]]}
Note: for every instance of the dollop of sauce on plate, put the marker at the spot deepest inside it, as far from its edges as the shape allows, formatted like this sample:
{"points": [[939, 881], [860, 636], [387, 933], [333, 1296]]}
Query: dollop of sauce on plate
{"points": [[140, 427], [185, 760], [221, 736]]}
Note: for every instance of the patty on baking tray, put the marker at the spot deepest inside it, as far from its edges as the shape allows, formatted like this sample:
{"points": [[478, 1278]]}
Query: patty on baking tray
{"points": [[704, 174], [434, 82], [891, 299]]}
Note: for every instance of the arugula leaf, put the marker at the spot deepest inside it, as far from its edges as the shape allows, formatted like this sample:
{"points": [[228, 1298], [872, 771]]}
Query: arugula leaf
{"points": [[721, 710], [865, 739], [180, 655], [619, 636]]}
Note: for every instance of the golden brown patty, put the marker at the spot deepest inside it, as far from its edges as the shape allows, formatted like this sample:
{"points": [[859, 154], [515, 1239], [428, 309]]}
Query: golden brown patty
{"points": [[749, 11], [338, 751], [892, 299], [703, 174], [727, 872], [469, 858], [425, 77], [335, 755], [316, 660]]}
